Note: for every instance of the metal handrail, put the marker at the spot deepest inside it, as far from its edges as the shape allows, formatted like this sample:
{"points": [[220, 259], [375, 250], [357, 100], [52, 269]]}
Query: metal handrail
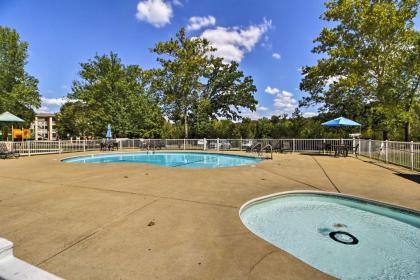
{"points": [[271, 150]]}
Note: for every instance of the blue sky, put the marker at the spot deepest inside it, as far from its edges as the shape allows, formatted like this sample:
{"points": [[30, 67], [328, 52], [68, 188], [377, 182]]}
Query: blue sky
{"points": [[270, 39]]}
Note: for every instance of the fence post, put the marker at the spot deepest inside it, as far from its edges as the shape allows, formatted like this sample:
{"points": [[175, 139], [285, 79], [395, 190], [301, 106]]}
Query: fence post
{"points": [[293, 145], [84, 145], [386, 151], [204, 144], [240, 145], [412, 154], [184, 143], [354, 143], [358, 147], [59, 146], [29, 148], [218, 147], [370, 148]]}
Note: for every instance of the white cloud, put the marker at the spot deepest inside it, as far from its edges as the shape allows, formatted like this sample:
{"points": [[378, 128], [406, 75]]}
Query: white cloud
{"points": [[177, 3], [271, 90], [253, 115], [309, 114], [333, 79], [196, 23], [43, 109], [266, 43], [276, 56], [284, 103], [53, 101], [156, 12], [232, 43], [262, 108], [49, 105]]}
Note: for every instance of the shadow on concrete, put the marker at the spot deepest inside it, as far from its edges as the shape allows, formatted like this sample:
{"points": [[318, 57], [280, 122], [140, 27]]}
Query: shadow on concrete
{"points": [[411, 177], [317, 154]]}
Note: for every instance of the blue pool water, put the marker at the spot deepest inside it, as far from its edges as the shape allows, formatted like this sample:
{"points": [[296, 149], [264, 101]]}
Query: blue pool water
{"points": [[345, 237], [174, 159]]}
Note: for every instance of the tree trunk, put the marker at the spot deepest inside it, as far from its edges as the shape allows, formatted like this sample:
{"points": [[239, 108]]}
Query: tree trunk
{"points": [[185, 125], [407, 129], [385, 135]]}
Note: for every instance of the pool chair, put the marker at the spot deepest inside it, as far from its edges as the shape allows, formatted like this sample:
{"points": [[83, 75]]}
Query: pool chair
{"points": [[103, 146], [355, 150], [144, 145], [160, 145], [277, 146], [286, 146], [254, 148], [5, 152]]}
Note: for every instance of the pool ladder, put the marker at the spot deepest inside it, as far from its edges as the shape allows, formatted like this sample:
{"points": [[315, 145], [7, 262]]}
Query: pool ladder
{"points": [[266, 148], [153, 151]]}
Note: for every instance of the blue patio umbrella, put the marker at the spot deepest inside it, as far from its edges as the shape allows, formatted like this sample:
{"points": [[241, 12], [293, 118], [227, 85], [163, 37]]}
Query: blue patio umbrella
{"points": [[341, 122], [108, 132]]}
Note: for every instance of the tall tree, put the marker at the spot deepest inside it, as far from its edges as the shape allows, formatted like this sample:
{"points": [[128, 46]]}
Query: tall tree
{"points": [[368, 68], [18, 90], [193, 84], [111, 93]]}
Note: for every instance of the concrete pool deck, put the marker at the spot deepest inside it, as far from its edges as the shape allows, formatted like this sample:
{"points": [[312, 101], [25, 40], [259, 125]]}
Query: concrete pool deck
{"points": [[135, 221]]}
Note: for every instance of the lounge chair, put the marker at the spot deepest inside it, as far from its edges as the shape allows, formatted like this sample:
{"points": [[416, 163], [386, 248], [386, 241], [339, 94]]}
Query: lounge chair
{"points": [[254, 148], [285, 146], [277, 146], [103, 146], [144, 145], [328, 148], [160, 145], [355, 150]]}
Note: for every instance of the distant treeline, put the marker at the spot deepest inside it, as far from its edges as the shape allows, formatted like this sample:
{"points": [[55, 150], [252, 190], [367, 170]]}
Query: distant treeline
{"points": [[277, 127]]}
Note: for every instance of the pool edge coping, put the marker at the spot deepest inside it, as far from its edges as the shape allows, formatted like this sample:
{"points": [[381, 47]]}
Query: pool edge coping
{"points": [[256, 158], [348, 196]]}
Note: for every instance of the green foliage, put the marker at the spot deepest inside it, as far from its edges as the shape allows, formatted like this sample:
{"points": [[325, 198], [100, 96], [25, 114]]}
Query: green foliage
{"points": [[369, 70], [195, 87], [110, 93], [276, 127], [18, 90]]}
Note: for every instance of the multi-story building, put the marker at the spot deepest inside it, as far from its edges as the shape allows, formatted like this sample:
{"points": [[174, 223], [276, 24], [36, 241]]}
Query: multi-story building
{"points": [[43, 127]]}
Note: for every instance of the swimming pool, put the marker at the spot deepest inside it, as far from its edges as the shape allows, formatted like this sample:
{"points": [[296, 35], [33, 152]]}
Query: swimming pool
{"points": [[344, 236], [170, 159]]}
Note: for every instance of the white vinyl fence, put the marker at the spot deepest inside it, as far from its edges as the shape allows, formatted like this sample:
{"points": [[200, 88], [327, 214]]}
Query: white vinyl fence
{"points": [[406, 154]]}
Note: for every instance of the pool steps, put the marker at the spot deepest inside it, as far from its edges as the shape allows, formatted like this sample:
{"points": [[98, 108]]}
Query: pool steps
{"points": [[12, 268]]}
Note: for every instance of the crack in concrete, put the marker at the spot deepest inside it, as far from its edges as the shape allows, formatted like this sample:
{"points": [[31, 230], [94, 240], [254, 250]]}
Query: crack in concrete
{"points": [[232, 234], [201, 202], [260, 260], [68, 247], [291, 179], [101, 228], [326, 175], [127, 192]]}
